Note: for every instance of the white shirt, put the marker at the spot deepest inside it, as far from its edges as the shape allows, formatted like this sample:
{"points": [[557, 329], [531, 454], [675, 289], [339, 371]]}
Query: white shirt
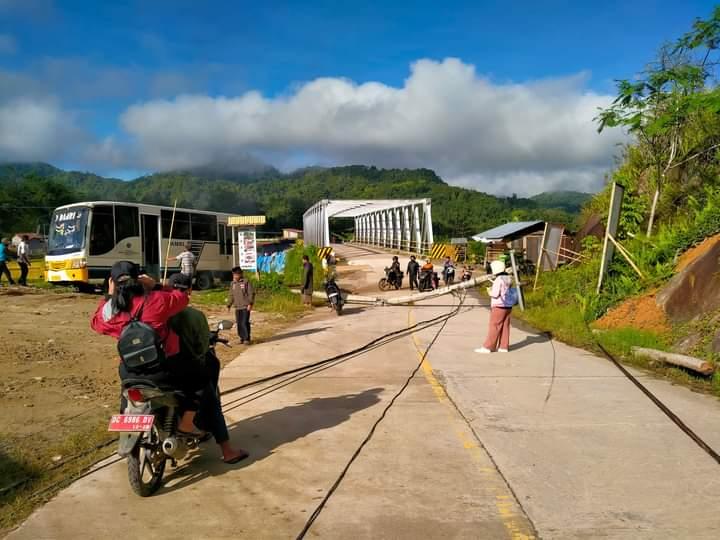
{"points": [[187, 260], [23, 250]]}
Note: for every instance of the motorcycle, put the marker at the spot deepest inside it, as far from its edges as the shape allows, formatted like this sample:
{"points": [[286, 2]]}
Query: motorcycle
{"points": [[428, 281], [466, 275], [334, 297], [148, 425], [391, 279]]}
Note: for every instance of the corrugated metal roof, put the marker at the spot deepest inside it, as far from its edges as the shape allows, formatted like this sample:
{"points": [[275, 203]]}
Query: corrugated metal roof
{"points": [[509, 231]]}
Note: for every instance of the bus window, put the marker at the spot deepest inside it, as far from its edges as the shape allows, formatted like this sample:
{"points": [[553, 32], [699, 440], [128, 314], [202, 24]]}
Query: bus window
{"points": [[221, 238], [127, 223], [181, 227], [67, 231], [102, 230], [228, 240], [204, 227]]}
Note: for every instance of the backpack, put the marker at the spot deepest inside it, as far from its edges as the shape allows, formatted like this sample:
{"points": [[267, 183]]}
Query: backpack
{"points": [[140, 347], [511, 297]]}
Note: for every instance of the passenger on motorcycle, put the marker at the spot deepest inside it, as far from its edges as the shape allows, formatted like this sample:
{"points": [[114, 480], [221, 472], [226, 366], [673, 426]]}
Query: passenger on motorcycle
{"points": [[395, 274], [128, 292], [192, 327]]}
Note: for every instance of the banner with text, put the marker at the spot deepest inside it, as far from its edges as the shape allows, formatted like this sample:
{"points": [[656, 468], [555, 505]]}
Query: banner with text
{"points": [[247, 249]]}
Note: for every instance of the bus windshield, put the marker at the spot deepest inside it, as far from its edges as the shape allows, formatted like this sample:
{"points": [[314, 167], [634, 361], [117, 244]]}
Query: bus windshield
{"points": [[67, 230]]}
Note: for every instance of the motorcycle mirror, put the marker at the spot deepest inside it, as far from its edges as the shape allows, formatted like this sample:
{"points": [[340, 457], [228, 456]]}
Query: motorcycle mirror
{"points": [[225, 325]]}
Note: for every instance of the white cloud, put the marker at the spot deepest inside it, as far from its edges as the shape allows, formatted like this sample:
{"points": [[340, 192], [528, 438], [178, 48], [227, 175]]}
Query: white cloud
{"points": [[471, 130], [8, 45], [35, 129]]}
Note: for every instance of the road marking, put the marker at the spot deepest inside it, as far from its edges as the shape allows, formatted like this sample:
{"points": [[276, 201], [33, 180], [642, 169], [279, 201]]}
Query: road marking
{"points": [[516, 525]]}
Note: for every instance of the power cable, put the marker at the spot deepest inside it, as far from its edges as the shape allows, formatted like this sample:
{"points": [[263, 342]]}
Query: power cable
{"points": [[313, 517]]}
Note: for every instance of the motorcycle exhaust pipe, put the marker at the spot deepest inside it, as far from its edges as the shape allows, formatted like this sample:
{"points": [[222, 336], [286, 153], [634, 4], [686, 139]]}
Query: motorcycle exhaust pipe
{"points": [[171, 447]]}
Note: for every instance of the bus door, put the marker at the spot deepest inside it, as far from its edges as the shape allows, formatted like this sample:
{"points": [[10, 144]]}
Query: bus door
{"points": [[151, 244]]}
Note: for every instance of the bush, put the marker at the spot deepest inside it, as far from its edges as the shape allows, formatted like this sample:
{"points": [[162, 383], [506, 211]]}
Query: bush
{"points": [[294, 266]]}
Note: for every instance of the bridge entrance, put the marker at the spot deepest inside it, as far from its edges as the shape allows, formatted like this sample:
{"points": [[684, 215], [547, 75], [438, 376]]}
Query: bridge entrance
{"points": [[402, 224]]}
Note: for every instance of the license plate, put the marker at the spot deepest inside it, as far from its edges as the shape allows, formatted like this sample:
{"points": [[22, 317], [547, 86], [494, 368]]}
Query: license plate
{"points": [[332, 294], [54, 278], [131, 422]]}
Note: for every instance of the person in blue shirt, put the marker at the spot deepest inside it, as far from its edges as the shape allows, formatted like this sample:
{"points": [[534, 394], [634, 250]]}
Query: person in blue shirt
{"points": [[4, 258]]}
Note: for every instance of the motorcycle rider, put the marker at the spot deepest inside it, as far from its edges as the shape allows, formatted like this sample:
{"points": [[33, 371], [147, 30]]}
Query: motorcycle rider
{"points": [[395, 272], [192, 327], [129, 292], [448, 270], [428, 272], [413, 269]]}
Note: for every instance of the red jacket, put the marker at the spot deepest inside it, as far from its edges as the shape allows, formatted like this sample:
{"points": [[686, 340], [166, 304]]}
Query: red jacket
{"points": [[159, 307]]}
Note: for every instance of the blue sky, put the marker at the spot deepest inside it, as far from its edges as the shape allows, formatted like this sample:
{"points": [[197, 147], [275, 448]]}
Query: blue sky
{"points": [[107, 77]]}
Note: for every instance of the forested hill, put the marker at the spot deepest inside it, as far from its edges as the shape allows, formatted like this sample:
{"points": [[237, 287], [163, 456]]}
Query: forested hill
{"points": [[283, 198]]}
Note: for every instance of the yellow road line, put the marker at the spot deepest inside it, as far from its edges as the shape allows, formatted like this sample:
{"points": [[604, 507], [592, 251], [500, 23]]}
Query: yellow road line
{"points": [[516, 525]]}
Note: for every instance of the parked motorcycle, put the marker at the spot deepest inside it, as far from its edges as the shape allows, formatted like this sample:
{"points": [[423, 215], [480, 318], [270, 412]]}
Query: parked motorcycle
{"points": [[391, 280], [428, 281], [334, 297], [148, 425], [449, 275]]}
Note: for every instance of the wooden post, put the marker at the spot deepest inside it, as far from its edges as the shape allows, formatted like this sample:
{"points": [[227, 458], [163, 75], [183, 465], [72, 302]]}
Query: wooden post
{"points": [[167, 254], [521, 301], [626, 255], [695, 364]]}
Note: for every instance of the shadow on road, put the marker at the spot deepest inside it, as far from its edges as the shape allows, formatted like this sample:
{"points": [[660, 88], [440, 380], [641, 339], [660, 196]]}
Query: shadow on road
{"points": [[295, 333], [529, 340], [263, 433]]}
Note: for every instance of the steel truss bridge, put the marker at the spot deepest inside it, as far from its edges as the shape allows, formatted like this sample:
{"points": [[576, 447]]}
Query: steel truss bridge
{"points": [[397, 224]]}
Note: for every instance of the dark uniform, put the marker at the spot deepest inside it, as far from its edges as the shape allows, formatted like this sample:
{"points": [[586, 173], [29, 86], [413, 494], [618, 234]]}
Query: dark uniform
{"points": [[413, 269]]}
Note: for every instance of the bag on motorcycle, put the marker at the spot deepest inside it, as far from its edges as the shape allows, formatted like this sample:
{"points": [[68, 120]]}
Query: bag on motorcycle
{"points": [[140, 346]]}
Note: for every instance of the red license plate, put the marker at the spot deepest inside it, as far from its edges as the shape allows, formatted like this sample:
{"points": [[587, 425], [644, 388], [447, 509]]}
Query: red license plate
{"points": [[131, 422]]}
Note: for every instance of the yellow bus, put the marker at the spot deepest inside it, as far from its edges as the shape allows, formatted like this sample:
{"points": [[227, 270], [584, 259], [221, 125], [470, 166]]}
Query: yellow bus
{"points": [[87, 238]]}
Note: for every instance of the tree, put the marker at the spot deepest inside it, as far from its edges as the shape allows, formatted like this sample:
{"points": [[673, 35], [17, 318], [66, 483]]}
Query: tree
{"points": [[661, 107]]}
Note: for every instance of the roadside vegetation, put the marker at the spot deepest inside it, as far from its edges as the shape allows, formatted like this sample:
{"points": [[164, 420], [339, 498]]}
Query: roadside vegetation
{"points": [[671, 174]]}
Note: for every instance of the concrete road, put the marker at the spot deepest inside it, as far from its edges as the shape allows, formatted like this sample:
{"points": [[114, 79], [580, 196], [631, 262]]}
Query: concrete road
{"points": [[545, 441]]}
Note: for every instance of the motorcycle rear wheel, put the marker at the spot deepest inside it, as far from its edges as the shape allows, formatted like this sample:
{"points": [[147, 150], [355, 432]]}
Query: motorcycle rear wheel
{"points": [[139, 462], [338, 308]]}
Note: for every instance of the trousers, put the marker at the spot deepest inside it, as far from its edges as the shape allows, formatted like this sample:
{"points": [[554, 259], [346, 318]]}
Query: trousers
{"points": [[4, 270], [413, 280], [242, 318], [23, 273], [498, 329]]}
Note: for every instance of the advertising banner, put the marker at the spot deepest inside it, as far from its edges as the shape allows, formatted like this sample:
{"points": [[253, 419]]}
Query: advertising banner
{"points": [[247, 249]]}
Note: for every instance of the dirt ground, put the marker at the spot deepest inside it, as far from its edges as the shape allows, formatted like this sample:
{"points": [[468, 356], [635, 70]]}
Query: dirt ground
{"points": [[641, 312], [60, 385], [693, 253]]}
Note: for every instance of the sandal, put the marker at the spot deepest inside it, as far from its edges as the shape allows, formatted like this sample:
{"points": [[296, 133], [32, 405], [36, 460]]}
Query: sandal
{"points": [[242, 455]]}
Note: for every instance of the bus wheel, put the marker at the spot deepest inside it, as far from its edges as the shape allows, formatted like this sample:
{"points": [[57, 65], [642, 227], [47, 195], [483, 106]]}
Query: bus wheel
{"points": [[204, 281]]}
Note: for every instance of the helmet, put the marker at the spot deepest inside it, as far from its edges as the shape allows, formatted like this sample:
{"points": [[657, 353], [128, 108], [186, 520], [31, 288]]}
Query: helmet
{"points": [[497, 267]]}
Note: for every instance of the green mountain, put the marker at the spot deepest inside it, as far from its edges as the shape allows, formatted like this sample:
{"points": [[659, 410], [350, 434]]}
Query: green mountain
{"points": [[283, 198], [570, 201]]}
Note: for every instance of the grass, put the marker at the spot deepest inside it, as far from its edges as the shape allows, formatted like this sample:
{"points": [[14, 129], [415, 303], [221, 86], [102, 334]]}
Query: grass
{"points": [[30, 461], [282, 301], [566, 322]]}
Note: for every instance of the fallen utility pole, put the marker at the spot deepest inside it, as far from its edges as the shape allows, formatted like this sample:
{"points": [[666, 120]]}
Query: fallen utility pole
{"points": [[378, 301], [695, 364]]}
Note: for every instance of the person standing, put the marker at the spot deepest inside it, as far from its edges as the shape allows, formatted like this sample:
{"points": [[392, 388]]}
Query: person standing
{"points": [[502, 298], [307, 281], [186, 260], [4, 258], [23, 258], [242, 297], [413, 269]]}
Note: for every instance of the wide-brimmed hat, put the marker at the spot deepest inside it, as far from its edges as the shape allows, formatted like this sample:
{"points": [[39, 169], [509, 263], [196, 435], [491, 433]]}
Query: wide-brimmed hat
{"points": [[497, 267]]}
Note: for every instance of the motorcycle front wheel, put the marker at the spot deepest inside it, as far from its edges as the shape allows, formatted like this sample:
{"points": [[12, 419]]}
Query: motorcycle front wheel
{"points": [[384, 284], [146, 464], [338, 308]]}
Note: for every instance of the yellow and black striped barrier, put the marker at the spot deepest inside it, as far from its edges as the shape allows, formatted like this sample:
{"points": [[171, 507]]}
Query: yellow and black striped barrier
{"points": [[439, 251], [324, 252]]}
